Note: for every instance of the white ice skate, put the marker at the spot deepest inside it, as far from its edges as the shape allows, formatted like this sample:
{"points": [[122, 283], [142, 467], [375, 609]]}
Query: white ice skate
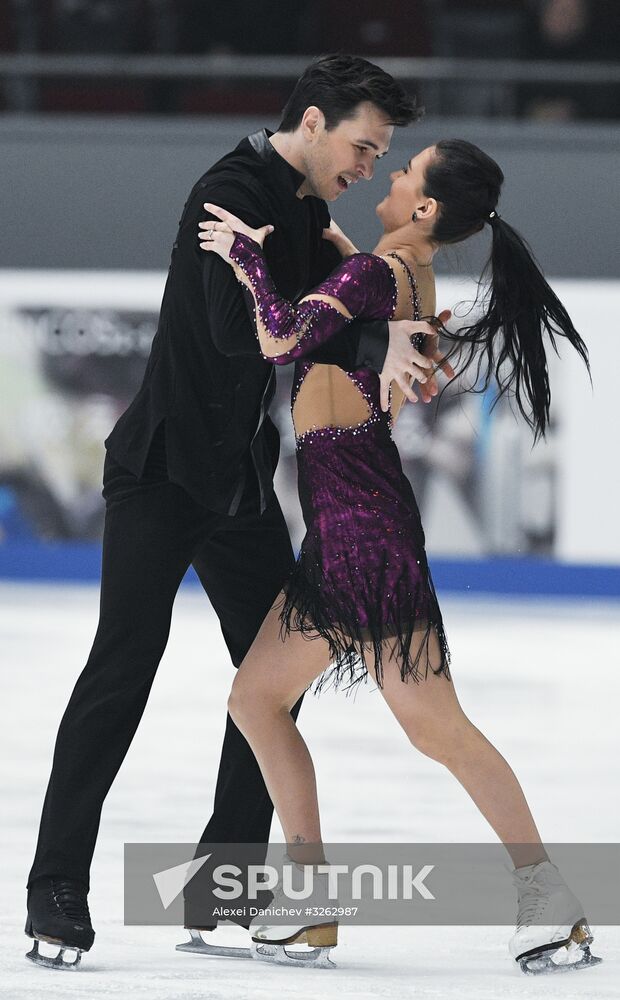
{"points": [[552, 933], [274, 942]]}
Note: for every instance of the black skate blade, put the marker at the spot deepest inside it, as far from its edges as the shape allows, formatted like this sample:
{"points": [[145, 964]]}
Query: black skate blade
{"points": [[198, 946], [544, 965], [54, 961], [278, 954]]}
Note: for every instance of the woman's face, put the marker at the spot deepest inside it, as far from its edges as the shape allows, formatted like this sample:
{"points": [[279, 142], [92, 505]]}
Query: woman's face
{"points": [[406, 193]]}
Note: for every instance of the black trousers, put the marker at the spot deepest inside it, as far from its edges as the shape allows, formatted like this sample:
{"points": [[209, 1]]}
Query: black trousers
{"points": [[153, 532]]}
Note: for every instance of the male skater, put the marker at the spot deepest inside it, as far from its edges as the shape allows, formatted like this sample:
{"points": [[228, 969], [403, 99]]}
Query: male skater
{"points": [[188, 476]]}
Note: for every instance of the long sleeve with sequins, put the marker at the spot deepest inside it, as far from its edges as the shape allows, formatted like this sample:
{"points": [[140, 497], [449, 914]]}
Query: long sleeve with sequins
{"points": [[363, 286]]}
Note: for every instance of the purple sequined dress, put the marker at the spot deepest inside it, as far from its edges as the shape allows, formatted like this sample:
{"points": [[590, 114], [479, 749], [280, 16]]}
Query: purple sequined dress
{"points": [[362, 575]]}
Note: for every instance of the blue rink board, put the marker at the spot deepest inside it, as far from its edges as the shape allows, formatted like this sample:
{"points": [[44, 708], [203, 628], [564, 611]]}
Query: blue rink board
{"points": [[82, 562]]}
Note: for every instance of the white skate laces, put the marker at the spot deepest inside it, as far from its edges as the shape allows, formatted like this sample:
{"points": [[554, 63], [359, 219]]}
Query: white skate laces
{"points": [[533, 884]]}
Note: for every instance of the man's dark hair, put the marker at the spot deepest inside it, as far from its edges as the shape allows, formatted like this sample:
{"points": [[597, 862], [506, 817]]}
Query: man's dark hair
{"points": [[338, 83]]}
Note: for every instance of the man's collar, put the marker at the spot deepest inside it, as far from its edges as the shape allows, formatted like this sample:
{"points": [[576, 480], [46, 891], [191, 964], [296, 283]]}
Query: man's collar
{"points": [[259, 142]]}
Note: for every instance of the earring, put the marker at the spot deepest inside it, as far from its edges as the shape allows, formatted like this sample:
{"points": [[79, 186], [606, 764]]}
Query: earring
{"points": [[414, 217]]}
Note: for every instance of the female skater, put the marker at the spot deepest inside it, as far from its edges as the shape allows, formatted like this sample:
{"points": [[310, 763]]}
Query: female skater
{"points": [[361, 588]]}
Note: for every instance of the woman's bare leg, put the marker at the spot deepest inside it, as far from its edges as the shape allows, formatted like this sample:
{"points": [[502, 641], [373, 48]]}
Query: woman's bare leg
{"points": [[431, 716], [271, 678]]}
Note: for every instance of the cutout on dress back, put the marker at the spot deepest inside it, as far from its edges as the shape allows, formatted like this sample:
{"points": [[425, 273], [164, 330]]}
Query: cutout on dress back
{"points": [[327, 397]]}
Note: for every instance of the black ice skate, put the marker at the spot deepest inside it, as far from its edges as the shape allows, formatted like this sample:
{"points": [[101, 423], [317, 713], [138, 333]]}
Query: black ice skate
{"points": [[202, 926], [58, 915], [197, 945], [194, 913]]}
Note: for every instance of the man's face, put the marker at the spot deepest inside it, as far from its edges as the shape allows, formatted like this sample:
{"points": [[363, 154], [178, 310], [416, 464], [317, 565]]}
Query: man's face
{"points": [[337, 158]]}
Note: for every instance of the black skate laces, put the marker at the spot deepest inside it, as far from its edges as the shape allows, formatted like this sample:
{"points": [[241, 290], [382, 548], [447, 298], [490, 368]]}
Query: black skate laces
{"points": [[70, 898]]}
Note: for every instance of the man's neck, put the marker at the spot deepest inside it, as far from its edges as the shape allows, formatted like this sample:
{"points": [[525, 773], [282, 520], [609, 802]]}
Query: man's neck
{"points": [[286, 146]]}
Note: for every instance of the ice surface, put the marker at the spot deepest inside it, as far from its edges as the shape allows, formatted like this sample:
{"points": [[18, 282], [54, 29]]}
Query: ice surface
{"points": [[540, 679]]}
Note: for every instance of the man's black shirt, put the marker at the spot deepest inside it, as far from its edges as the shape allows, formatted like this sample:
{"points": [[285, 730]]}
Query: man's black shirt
{"points": [[205, 379]]}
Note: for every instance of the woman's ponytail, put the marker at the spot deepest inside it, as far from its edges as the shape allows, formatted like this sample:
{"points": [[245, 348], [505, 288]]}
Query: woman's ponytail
{"points": [[508, 339], [519, 307]]}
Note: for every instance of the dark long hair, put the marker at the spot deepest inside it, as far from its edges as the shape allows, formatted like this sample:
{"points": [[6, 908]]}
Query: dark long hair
{"points": [[519, 307]]}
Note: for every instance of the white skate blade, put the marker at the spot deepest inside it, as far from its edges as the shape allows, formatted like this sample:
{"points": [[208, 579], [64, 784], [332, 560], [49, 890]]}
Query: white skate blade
{"points": [[278, 954], [569, 958], [56, 961], [198, 946]]}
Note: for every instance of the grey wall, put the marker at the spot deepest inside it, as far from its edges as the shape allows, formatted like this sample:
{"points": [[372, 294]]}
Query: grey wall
{"points": [[107, 193]]}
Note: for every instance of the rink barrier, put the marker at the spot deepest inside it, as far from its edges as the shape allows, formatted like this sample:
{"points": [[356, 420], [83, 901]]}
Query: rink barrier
{"points": [[70, 562]]}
